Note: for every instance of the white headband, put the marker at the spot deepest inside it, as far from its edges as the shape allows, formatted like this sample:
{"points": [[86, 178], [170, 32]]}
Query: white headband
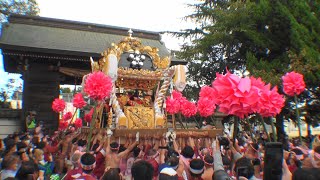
{"points": [[196, 171], [168, 171]]}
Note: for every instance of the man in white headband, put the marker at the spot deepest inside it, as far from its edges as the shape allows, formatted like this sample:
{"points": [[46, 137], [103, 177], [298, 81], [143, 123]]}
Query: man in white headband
{"points": [[113, 156], [196, 168], [168, 174], [87, 163]]}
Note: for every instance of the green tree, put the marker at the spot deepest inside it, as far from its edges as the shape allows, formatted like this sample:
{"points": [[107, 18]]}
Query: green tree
{"points": [[267, 38], [65, 90], [25, 7], [7, 92]]}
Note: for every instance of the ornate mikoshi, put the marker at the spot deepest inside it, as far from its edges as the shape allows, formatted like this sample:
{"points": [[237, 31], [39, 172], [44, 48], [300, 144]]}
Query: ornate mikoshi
{"points": [[141, 80]]}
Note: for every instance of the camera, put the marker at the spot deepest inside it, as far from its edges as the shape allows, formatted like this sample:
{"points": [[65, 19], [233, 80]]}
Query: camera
{"points": [[223, 141]]}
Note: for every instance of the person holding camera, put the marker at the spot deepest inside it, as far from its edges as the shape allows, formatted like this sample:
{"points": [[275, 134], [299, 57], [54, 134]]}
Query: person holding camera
{"points": [[31, 122], [243, 167]]}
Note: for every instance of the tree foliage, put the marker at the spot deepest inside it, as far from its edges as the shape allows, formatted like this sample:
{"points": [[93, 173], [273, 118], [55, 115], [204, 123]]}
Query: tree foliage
{"points": [[25, 7], [9, 92], [267, 38]]}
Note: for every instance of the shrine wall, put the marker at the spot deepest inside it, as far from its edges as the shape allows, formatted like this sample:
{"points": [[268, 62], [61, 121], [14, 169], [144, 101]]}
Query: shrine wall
{"points": [[10, 121]]}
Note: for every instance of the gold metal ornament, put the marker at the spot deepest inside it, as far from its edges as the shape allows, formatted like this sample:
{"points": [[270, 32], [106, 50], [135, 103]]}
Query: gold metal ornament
{"points": [[139, 117]]}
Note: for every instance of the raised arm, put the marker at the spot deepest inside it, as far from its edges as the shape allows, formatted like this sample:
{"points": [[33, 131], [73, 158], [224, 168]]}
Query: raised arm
{"points": [[157, 142], [109, 134], [218, 165], [236, 154], [128, 150]]}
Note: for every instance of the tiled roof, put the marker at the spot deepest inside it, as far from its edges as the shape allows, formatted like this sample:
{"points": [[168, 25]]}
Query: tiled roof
{"points": [[38, 34]]}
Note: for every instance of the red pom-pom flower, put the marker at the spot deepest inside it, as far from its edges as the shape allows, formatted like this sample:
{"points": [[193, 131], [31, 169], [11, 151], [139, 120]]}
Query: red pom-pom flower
{"points": [[172, 105], [78, 101], [235, 95], [293, 83], [270, 103], [176, 94], [98, 86], [58, 105], [88, 117], [78, 123], [188, 108], [67, 116], [63, 125], [208, 92], [206, 107]]}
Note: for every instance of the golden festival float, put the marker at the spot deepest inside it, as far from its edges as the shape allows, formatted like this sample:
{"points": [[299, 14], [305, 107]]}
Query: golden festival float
{"points": [[141, 82]]}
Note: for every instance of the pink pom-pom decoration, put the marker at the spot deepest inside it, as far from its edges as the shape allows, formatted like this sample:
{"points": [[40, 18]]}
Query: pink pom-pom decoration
{"points": [[78, 101], [63, 125], [172, 105], [207, 92], [58, 105], [271, 103], [176, 94], [78, 123], [188, 109], [88, 117], [293, 83], [235, 95], [67, 116], [206, 107], [98, 86]]}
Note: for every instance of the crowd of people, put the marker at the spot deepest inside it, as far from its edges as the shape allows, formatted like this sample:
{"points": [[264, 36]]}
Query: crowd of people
{"points": [[68, 155]]}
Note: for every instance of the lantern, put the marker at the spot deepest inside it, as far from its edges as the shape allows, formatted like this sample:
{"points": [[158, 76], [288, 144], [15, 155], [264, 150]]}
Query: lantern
{"points": [[179, 80], [112, 67]]}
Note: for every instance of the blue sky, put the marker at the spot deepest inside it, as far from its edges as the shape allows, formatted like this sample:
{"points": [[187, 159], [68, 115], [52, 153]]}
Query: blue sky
{"points": [[4, 76]]}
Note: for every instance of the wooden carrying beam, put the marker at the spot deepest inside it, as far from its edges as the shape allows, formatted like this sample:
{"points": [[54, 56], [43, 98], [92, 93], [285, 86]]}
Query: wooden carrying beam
{"points": [[184, 133]]}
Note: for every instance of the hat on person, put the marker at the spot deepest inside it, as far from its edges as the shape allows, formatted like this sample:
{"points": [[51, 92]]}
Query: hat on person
{"points": [[88, 161]]}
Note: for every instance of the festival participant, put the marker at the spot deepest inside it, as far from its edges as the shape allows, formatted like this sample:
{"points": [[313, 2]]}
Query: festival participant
{"points": [[251, 151], [21, 147], [100, 162], [10, 166], [113, 156], [208, 172], [196, 169], [306, 173], [313, 159], [31, 121], [137, 155], [28, 170], [44, 166], [123, 160], [169, 158], [151, 158], [142, 170], [88, 163], [73, 173], [112, 174], [186, 156], [11, 147], [168, 174], [244, 168], [48, 149]]}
